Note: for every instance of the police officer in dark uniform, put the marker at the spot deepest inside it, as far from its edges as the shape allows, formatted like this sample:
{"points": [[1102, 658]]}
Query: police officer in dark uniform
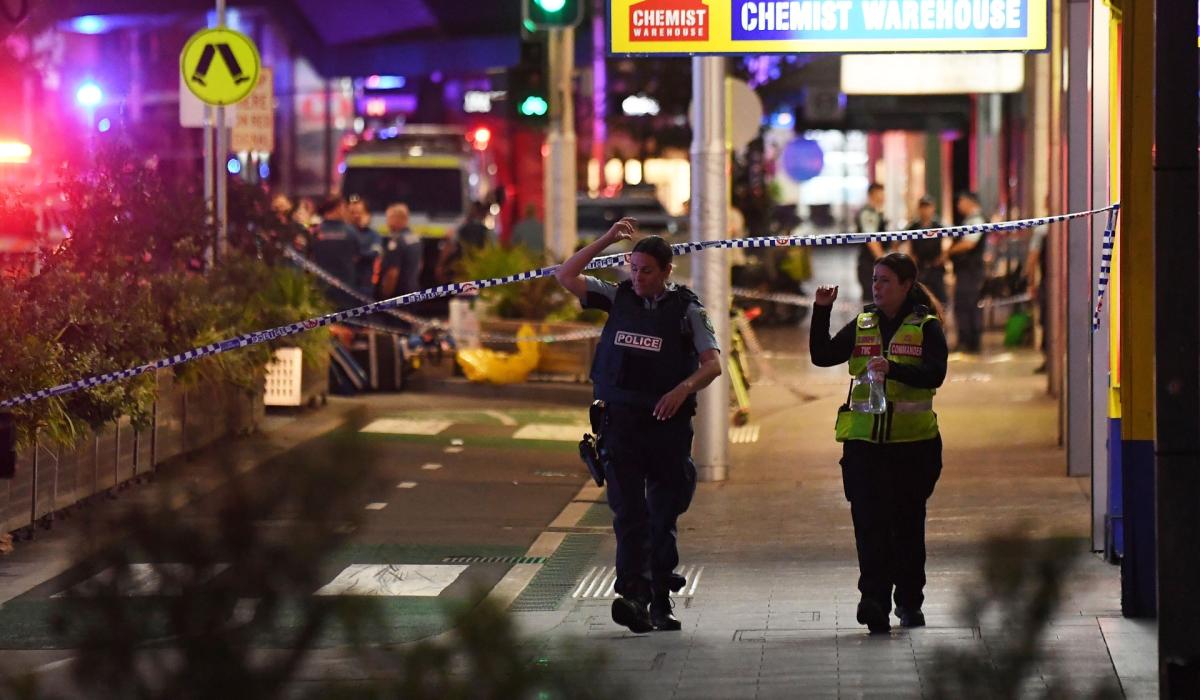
{"points": [[656, 351], [967, 256], [890, 460]]}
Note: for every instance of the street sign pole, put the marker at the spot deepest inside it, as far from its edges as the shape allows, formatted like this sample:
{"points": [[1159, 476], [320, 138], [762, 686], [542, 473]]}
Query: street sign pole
{"points": [[222, 154], [209, 208], [710, 274], [560, 147]]}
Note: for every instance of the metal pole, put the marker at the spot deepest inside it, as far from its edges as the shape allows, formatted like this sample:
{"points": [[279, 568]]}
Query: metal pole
{"points": [[1077, 283], [209, 204], [560, 148], [1176, 346], [219, 163], [710, 268]]}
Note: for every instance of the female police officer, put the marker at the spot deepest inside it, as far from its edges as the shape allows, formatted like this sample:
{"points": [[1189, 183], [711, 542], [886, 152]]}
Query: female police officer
{"points": [[656, 351], [890, 460]]}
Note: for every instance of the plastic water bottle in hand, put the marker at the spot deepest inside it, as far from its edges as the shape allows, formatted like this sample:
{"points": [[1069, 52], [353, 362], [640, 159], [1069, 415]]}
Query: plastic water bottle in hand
{"points": [[877, 403]]}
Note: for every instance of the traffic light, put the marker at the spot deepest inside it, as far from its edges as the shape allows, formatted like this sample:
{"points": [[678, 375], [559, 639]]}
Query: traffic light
{"points": [[551, 14], [528, 96], [533, 106]]}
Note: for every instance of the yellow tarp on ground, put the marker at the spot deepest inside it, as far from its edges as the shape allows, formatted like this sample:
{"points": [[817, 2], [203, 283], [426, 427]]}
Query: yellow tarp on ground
{"points": [[483, 365]]}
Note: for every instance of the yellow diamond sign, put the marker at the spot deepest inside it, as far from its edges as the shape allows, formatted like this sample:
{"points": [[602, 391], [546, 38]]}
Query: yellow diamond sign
{"points": [[220, 66]]}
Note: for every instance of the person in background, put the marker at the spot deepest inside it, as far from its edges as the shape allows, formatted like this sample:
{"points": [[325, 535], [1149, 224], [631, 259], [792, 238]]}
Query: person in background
{"points": [[1035, 272], [335, 246], [473, 234], [530, 233], [966, 254], [284, 228], [370, 245], [400, 265], [931, 261], [306, 213], [870, 219]]}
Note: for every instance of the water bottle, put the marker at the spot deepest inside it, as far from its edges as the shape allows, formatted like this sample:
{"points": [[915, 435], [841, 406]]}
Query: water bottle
{"points": [[877, 403]]}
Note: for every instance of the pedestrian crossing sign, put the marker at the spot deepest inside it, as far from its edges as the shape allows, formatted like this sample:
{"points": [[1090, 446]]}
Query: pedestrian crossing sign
{"points": [[220, 66]]}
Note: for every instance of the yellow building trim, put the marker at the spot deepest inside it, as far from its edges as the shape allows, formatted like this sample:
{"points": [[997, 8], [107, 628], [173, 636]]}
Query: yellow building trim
{"points": [[1114, 179], [1137, 214]]}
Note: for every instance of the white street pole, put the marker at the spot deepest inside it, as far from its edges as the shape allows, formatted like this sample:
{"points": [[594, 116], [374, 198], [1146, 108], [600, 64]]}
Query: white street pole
{"points": [[560, 148], [710, 271]]}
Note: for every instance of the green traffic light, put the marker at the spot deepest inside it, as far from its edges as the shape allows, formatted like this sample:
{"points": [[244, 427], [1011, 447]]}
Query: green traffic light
{"points": [[551, 5], [534, 106]]}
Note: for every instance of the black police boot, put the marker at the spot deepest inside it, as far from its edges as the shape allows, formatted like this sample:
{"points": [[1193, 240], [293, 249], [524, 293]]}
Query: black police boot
{"points": [[676, 582], [872, 614], [632, 613], [910, 617], [661, 613]]}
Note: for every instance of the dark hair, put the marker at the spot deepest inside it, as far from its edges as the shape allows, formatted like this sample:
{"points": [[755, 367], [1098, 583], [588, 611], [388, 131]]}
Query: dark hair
{"points": [[906, 270], [926, 201], [329, 205], [967, 194], [655, 247], [874, 187]]}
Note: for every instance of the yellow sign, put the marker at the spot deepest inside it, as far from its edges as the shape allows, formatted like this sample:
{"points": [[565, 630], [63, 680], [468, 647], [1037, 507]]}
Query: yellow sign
{"points": [[839, 26], [220, 66]]}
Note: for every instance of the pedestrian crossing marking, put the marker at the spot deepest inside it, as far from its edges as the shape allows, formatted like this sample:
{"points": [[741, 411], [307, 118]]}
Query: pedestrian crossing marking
{"points": [[416, 580], [406, 485], [600, 583], [431, 466], [376, 506], [744, 434], [406, 426]]}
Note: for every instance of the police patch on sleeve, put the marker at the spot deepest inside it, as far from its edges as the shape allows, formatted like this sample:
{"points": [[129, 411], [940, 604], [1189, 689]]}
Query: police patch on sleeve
{"points": [[707, 321]]}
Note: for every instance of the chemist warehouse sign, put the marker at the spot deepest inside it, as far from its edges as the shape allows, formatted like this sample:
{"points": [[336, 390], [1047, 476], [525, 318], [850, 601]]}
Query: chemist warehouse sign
{"points": [[841, 26]]}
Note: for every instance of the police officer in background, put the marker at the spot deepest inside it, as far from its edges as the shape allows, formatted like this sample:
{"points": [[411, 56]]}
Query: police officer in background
{"points": [[966, 254], [656, 351], [890, 460], [870, 219]]}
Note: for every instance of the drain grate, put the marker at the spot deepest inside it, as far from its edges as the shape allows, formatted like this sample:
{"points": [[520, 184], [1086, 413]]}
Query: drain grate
{"points": [[559, 575], [599, 515], [493, 560]]}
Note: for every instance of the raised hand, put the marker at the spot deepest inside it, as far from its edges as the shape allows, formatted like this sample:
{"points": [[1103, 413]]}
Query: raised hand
{"points": [[825, 295], [622, 230]]}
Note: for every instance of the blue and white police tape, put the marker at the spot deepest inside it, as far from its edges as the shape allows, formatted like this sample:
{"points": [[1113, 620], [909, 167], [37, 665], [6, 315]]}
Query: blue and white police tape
{"points": [[777, 297], [332, 280], [1106, 254], [471, 287]]}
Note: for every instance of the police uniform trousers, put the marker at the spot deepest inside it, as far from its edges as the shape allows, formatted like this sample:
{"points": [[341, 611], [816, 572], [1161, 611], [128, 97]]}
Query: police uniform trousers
{"points": [[887, 486], [968, 317], [651, 480]]}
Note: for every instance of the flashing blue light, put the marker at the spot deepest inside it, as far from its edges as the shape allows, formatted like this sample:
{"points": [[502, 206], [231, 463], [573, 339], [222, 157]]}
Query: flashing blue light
{"points": [[264, 171], [90, 24], [89, 94], [385, 82], [104, 125], [783, 120], [234, 166]]}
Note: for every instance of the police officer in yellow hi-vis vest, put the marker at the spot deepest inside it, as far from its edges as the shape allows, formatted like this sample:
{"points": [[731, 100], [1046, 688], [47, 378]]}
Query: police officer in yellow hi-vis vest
{"points": [[891, 448]]}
